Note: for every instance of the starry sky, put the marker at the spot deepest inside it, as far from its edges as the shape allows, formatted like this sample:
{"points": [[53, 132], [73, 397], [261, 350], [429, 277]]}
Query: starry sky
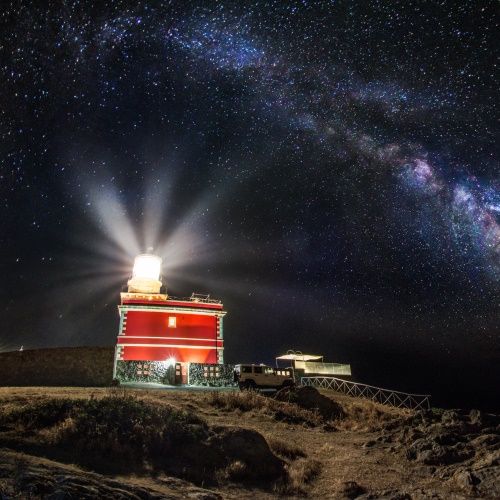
{"points": [[328, 169]]}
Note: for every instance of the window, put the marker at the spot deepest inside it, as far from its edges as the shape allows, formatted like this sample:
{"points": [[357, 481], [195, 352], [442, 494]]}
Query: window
{"points": [[143, 370], [172, 322], [246, 369], [257, 369], [211, 372], [269, 370]]}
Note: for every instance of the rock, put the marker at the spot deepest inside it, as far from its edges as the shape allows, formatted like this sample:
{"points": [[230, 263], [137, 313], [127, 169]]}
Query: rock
{"points": [[488, 459], [462, 447], [450, 417], [430, 452], [27, 479], [399, 495], [328, 427], [485, 440], [310, 399], [249, 448], [488, 481], [350, 489], [476, 417], [484, 481], [465, 479], [386, 495]]}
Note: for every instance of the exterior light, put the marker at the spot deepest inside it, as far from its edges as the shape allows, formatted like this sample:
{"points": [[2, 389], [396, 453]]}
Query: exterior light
{"points": [[146, 274], [147, 266], [168, 362]]}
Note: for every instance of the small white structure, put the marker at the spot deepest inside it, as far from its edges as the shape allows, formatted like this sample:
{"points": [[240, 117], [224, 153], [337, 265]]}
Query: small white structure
{"points": [[311, 364]]}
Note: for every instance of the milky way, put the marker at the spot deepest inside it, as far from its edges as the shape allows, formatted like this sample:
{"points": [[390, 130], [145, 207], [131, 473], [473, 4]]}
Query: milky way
{"points": [[333, 158]]}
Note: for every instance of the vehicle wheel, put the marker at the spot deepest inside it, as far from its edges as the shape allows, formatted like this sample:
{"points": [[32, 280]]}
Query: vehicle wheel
{"points": [[248, 385], [287, 383]]}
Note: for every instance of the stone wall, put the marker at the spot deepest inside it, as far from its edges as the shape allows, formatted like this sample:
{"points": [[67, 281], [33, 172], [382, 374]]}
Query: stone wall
{"points": [[145, 371], [159, 372], [211, 375], [61, 366]]}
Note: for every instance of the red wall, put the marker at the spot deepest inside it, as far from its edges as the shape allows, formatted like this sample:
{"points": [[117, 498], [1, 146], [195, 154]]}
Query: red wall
{"points": [[156, 324], [193, 339], [164, 353]]}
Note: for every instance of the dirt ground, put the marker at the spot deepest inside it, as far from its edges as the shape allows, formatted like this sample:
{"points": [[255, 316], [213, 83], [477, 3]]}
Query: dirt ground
{"points": [[349, 459]]}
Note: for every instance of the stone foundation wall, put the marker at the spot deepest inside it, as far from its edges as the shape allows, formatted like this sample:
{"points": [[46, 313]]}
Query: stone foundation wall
{"points": [[211, 375], [145, 371], [158, 372]]}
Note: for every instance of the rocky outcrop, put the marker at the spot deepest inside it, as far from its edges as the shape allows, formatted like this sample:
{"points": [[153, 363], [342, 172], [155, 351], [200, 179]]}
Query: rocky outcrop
{"points": [[460, 447], [22, 476]]}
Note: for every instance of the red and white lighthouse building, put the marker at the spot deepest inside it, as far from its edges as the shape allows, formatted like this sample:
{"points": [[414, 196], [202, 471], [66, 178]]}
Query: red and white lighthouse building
{"points": [[159, 330]]}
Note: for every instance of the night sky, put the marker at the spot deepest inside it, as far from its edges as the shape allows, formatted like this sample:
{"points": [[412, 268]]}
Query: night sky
{"points": [[328, 169]]}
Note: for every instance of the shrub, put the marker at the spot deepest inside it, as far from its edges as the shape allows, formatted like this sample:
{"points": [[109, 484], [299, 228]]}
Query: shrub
{"points": [[38, 415], [110, 430], [231, 401], [284, 449], [252, 401], [235, 471], [122, 433], [299, 475], [368, 416]]}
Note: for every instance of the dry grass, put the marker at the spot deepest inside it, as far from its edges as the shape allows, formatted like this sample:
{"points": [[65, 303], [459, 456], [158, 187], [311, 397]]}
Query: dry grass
{"points": [[122, 433], [248, 401], [112, 431], [232, 401], [284, 449], [367, 416], [299, 476], [236, 471]]}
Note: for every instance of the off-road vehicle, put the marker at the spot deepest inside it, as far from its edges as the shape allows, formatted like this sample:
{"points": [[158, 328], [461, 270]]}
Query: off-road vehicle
{"points": [[262, 377]]}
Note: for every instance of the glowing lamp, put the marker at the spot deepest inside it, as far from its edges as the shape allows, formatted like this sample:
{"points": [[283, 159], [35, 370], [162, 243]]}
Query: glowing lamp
{"points": [[145, 274], [147, 266], [168, 362]]}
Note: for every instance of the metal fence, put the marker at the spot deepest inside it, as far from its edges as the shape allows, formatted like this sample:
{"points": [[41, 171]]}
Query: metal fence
{"points": [[383, 396]]}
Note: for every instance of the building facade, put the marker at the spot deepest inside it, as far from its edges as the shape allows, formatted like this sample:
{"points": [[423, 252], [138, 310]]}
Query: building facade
{"points": [[160, 336]]}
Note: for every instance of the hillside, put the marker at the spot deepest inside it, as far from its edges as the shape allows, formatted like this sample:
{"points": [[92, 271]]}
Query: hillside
{"points": [[57, 366], [116, 443]]}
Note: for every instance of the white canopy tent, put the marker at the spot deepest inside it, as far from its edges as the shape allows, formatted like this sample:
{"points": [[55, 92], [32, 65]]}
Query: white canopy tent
{"points": [[314, 364], [300, 357]]}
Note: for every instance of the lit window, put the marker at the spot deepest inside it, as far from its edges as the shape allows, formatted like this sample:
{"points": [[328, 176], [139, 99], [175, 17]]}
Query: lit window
{"points": [[172, 321]]}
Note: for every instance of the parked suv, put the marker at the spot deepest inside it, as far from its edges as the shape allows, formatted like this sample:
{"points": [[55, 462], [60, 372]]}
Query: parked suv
{"points": [[262, 377]]}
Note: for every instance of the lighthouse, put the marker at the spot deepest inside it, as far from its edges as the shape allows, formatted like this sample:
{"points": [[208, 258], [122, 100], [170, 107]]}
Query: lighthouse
{"points": [[162, 338]]}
